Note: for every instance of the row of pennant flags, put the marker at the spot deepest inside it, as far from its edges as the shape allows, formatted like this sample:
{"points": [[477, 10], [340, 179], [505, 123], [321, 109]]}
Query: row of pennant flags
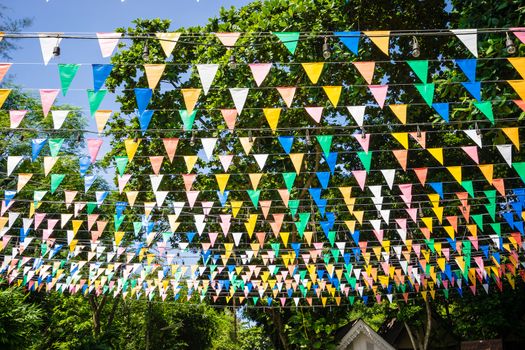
{"points": [[383, 233], [351, 40]]}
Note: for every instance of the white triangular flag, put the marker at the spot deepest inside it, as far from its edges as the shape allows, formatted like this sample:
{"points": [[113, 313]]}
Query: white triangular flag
{"points": [[261, 159], [226, 160], [506, 153], [239, 96], [108, 42], [385, 214], [207, 73], [12, 218], [376, 224], [469, 37], [160, 196], [358, 113], [376, 190], [389, 175], [12, 162], [208, 145], [58, 118], [155, 181], [177, 208], [475, 136], [237, 238], [48, 41]]}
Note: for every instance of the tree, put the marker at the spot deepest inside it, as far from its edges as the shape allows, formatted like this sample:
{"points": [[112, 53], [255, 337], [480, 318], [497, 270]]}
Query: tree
{"points": [[7, 24]]}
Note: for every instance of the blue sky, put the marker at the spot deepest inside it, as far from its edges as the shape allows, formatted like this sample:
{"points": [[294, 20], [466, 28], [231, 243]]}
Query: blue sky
{"points": [[28, 70]]}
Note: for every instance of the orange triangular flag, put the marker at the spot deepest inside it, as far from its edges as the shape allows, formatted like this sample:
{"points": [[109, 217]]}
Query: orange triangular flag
{"points": [[170, 144], [488, 171], [499, 184], [519, 87], [190, 98], [154, 73], [297, 160], [400, 111], [230, 117], [513, 135], [254, 179], [519, 65], [156, 163], [381, 38], [366, 69], [402, 157]]}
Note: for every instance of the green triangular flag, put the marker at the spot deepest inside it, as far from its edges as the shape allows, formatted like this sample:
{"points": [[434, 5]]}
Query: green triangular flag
{"points": [[467, 185], [335, 254], [187, 119], [91, 207], [486, 108], [301, 224], [420, 67], [67, 72], [118, 221], [496, 227], [289, 179], [352, 298], [331, 237], [289, 39], [491, 209], [431, 244], [275, 247], [293, 205], [122, 163], [478, 219], [56, 180], [326, 259], [520, 169], [54, 146], [491, 196], [254, 196], [137, 226], [366, 159], [325, 141], [427, 92], [95, 99]]}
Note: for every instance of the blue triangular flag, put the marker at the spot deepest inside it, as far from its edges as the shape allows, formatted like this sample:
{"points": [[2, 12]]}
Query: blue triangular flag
{"points": [[442, 109], [474, 88], [331, 160], [88, 181], [8, 196], [297, 248], [190, 236], [355, 236], [36, 147], [286, 143], [315, 193], [438, 187], [100, 74], [324, 178], [100, 196], [468, 66], [144, 119], [350, 40], [120, 207], [331, 219], [223, 197], [143, 96], [485, 250], [321, 205], [509, 217], [85, 162]]}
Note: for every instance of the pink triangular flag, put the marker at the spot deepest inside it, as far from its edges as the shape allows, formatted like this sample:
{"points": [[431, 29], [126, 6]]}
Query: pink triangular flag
{"points": [[472, 152], [406, 190], [520, 33], [48, 96], [93, 148], [170, 144], [192, 197], [230, 117], [260, 71], [228, 39], [39, 217], [412, 212], [379, 92], [364, 140], [188, 180], [265, 207], [315, 112], [402, 223], [226, 160], [360, 176], [122, 181], [108, 42], [420, 137], [285, 195], [16, 117], [366, 69], [4, 67], [287, 93], [156, 163]]}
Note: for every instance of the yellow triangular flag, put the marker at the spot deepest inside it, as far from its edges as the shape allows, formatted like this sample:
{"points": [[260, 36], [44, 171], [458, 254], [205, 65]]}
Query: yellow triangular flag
{"points": [[191, 96], [101, 118], [439, 213], [3, 95], [190, 162], [350, 224], [247, 144], [436, 153], [308, 236], [456, 172], [517, 85], [76, 226], [400, 111], [118, 237], [131, 147], [168, 41], [73, 245], [250, 225], [272, 116], [313, 70], [333, 93], [132, 197], [254, 179], [402, 138], [519, 65], [513, 135], [428, 222], [236, 206], [359, 214], [222, 181], [381, 38], [148, 208], [450, 231], [297, 160], [284, 237], [488, 171], [49, 163], [434, 199], [153, 74]]}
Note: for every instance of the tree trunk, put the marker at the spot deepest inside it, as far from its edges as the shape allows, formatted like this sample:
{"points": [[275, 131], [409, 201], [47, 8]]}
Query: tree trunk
{"points": [[429, 325], [276, 316], [411, 336], [96, 310]]}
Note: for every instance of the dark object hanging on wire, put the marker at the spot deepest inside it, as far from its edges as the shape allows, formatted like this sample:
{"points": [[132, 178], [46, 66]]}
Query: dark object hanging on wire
{"points": [[416, 52], [327, 52]]}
